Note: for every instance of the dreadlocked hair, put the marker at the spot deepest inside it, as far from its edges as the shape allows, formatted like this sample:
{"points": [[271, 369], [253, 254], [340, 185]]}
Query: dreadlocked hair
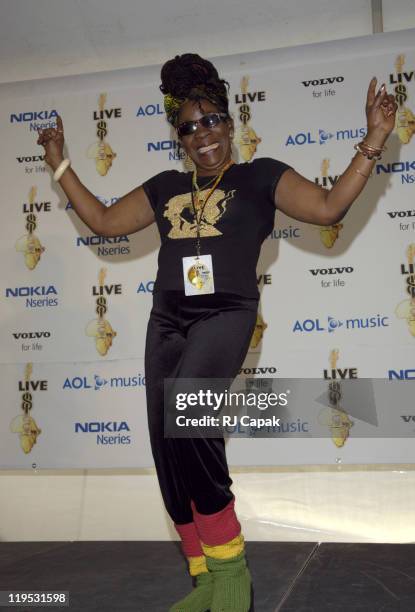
{"points": [[190, 77]]}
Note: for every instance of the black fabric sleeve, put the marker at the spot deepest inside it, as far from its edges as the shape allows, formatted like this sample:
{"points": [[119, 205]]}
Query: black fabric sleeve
{"points": [[268, 172], [155, 186]]}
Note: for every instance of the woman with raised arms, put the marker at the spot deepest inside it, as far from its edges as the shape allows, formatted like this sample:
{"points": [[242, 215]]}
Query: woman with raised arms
{"points": [[212, 223]]}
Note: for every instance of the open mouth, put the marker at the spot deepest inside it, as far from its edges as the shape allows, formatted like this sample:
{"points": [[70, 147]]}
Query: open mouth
{"points": [[211, 147]]}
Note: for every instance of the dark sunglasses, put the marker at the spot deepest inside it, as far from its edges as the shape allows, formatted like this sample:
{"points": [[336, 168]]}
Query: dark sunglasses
{"points": [[209, 120]]}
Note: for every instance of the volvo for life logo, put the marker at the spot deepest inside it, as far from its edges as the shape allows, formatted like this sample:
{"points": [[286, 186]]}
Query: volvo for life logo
{"points": [[30, 340], [262, 370], [332, 282], [325, 82], [30, 159], [29, 162], [408, 215], [393, 214], [324, 271]]}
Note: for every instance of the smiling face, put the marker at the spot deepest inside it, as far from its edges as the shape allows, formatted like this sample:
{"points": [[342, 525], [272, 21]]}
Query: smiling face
{"points": [[209, 148]]}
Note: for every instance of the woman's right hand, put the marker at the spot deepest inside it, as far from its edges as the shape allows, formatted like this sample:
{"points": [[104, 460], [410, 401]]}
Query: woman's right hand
{"points": [[52, 139]]}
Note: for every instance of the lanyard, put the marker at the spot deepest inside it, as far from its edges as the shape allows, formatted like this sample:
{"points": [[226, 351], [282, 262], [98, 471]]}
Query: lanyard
{"points": [[195, 189]]}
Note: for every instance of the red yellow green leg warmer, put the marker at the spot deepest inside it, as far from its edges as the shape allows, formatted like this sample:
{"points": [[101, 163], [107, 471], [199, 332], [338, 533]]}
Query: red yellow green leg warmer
{"points": [[223, 545], [200, 598]]}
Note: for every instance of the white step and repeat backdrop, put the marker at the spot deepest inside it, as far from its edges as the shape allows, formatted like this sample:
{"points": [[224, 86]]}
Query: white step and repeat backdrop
{"points": [[336, 302]]}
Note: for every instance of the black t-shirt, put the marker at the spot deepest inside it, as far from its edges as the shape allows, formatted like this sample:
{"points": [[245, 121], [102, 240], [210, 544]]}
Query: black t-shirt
{"points": [[237, 218]]}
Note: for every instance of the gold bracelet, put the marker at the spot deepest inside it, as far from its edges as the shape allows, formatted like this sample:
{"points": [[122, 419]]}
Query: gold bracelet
{"points": [[361, 173], [367, 145], [368, 153]]}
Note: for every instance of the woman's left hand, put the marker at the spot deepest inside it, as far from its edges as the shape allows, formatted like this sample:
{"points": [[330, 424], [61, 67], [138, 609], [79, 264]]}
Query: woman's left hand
{"points": [[380, 112]]}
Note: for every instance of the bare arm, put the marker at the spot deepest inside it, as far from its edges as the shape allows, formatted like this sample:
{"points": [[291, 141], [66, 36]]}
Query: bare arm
{"points": [[131, 213], [301, 199]]}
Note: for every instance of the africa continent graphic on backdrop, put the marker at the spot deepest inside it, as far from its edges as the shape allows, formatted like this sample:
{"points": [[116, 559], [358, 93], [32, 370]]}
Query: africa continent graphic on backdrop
{"points": [[179, 212], [24, 424], [29, 244]]}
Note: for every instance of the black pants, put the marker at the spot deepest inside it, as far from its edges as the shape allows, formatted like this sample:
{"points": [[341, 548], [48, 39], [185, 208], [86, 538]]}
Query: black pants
{"points": [[205, 336]]}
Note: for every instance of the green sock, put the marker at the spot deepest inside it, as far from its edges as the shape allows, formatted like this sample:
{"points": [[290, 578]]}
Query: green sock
{"points": [[199, 600], [231, 584]]}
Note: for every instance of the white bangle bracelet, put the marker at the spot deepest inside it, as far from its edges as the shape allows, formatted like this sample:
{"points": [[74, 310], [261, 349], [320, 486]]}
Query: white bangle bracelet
{"points": [[61, 169]]}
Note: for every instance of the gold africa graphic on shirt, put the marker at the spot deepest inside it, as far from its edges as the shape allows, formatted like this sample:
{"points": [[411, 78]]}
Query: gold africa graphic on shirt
{"points": [[179, 211]]}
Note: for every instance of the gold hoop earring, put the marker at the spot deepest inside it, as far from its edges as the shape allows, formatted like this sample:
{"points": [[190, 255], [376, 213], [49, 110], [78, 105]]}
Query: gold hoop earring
{"points": [[189, 164]]}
